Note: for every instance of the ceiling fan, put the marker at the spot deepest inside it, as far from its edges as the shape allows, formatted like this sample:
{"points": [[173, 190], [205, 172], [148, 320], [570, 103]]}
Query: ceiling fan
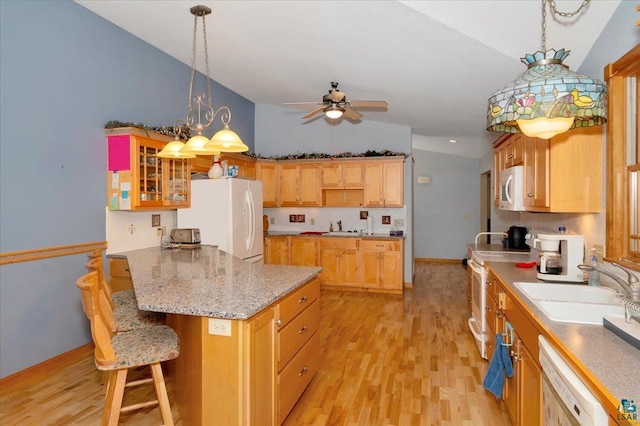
{"points": [[335, 104]]}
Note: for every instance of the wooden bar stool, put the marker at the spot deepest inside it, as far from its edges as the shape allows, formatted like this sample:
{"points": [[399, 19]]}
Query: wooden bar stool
{"points": [[124, 305], [117, 353]]}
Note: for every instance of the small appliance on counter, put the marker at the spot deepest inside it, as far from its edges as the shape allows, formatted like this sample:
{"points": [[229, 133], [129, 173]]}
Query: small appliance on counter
{"points": [[559, 255], [516, 238], [187, 236]]}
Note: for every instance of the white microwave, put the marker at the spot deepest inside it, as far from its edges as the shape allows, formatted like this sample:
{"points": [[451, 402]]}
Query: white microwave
{"points": [[512, 189]]}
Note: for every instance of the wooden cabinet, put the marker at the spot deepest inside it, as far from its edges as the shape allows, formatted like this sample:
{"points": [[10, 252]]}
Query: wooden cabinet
{"points": [[536, 174], [303, 251], [299, 184], [137, 179], [342, 174], [268, 173], [246, 165], [297, 318], [384, 183], [276, 251], [286, 250], [340, 262], [523, 392], [119, 275], [508, 151], [381, 265], [564, 174]]}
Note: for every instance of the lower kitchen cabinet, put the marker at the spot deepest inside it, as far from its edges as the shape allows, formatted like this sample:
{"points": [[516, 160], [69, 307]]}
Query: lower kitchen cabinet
{"points": [[303, 251], [339, 258], [381, 265], [297, 345], [120, 277], [523, 392], [276, 250]]}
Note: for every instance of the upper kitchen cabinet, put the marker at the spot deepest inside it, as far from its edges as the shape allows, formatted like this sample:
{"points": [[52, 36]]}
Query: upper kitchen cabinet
{"points": [[137, 179], [508, 151], [246, 165], [343, 174], [269, 173], [384, 182], [299, 184], [564, 174]]}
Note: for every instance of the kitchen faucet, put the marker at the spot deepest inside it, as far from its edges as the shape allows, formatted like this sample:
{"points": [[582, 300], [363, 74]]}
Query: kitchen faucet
{"points": [[627, 287]]}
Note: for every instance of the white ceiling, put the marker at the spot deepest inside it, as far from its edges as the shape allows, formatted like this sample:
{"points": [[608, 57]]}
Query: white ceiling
{"points": [[434, 62]]}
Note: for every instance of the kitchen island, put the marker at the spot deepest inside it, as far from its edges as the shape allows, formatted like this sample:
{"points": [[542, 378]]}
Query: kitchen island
{"points": [[243, 357]]}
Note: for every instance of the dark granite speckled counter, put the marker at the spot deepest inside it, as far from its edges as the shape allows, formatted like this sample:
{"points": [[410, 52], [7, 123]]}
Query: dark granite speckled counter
{"points": [[208, 282]]}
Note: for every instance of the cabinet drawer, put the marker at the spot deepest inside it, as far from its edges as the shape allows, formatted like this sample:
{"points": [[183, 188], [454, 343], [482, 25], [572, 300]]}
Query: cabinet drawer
{"points": [[292, 337], [339, 243], [119, 268], [296, 376], [299, 300], [381, 245]]}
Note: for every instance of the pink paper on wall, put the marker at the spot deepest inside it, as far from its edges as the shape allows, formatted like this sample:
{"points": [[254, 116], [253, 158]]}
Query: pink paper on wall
{"points": [[119, 153]]}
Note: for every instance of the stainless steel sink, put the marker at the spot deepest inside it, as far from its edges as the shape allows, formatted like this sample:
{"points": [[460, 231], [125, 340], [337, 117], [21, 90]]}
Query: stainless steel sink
{"points": [[345, 233], [573, 303]]}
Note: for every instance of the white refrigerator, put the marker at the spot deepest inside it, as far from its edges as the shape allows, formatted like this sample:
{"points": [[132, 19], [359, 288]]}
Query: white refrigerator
{"points": [[229, 215]]}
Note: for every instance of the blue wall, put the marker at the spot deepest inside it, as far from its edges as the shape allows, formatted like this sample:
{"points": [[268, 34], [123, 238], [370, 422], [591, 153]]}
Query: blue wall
{"points": [[64, 73]]}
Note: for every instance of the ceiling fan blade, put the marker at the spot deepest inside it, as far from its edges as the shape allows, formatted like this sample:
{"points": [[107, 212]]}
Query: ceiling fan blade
{"points": [[303, 103], [368, 104], [352, 114], [312, 113]]}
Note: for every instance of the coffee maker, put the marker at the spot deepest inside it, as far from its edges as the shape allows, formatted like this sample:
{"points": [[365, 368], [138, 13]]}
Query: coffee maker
{"points": [[559, 255]]}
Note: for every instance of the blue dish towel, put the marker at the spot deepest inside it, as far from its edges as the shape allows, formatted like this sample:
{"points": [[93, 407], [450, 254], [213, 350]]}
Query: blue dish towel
{"points": [[499, 367]]}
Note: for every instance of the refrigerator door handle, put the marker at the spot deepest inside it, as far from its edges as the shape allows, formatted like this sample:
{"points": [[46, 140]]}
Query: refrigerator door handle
{"points": [[251, 226]]}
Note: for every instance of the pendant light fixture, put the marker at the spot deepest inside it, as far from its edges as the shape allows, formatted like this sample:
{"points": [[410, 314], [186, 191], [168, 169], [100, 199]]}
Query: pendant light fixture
{"points": [[174, 148], [200, 113], [549, 98]]}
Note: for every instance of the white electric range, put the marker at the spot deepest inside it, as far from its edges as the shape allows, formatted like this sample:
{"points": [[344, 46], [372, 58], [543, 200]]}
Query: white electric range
{"points": [[478, 320]]}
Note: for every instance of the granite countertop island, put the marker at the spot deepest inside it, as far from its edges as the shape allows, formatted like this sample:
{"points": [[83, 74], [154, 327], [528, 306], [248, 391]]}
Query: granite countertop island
{"points": [[600, 353], [208, 282]]}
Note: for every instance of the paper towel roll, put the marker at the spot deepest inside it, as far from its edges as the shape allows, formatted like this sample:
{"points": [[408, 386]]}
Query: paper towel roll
{"points": [[369, 225]]}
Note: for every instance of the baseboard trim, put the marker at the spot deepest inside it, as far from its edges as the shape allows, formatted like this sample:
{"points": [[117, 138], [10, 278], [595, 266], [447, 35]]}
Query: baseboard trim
{"points": [[435, 260], [59, 361]]}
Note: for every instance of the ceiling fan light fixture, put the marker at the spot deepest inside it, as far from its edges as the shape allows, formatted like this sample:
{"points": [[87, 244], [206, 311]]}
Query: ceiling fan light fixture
{"points": [[547, 93], [334, 112]]}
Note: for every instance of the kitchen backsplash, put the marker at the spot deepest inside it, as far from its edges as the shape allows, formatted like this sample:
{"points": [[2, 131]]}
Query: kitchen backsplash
{"points": [[134, 230], [320, 219]]}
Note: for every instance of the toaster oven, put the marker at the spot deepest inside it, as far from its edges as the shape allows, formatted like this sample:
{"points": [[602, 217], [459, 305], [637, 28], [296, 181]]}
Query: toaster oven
{"points": [[185, 235]]}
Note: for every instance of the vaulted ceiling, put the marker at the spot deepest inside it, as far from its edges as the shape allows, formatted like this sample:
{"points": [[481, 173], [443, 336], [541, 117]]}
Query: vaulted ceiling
{"points": [[434, 62]]}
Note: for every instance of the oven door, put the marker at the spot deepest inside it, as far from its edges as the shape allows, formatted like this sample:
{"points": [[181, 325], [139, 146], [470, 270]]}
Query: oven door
{"points": [[477, 322]]}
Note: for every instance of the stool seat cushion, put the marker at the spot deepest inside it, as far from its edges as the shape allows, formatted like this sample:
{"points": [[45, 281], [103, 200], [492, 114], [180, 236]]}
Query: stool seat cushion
{"points": [[128, 316], [143, 346]]}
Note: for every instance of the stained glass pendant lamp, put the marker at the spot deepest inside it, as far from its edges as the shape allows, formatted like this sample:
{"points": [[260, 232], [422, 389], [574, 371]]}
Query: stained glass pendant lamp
{"points": [[549, 98]]}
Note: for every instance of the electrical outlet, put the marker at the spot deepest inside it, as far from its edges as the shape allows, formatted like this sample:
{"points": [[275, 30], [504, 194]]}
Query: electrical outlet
{"points": [[219, 327], [399, 223], [272, 220], [161, 231], [312, 221]]}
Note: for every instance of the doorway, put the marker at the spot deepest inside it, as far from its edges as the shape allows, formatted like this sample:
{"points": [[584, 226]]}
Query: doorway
{"points": [[485, 203]]}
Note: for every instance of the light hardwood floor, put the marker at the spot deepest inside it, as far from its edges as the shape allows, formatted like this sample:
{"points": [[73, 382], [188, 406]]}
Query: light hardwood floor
{"points": [[386, 360]]}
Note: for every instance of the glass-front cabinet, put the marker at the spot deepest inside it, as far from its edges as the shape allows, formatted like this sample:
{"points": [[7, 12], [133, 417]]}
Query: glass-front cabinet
{"points": [[137, 179]]}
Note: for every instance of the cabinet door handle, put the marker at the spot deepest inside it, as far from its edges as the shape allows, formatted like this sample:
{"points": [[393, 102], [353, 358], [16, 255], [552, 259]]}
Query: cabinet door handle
{"points": [[302, 330], [302, 299], [303, 371], [515, 356], [530, 195], [278, 322]]}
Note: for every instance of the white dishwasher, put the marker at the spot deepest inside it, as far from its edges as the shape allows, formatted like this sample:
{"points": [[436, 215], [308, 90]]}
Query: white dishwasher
{"points": [[565, 399]]}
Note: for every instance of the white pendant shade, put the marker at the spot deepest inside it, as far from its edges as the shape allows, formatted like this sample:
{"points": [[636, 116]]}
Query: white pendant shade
{"points": [[197, 145], [545, 128], [226, 140], [174, 150]]}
